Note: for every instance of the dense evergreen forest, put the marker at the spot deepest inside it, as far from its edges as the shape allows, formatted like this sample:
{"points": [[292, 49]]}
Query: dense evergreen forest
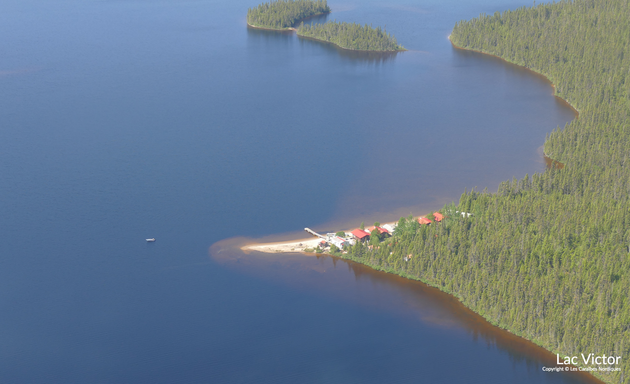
{"points": [[351, 36], [282, 14], [548, 256]]}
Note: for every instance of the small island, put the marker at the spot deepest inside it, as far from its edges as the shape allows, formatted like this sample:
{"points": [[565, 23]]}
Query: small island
{"points": [[284, 14], [351, 36]]}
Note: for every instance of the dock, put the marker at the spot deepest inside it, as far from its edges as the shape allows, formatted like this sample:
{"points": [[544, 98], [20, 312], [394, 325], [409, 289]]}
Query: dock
{"points": [[310, 231]]}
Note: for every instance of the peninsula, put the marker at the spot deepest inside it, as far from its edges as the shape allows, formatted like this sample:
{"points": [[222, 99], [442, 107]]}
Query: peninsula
{"points": [[336, 243], [284, 14], [545, 257]]}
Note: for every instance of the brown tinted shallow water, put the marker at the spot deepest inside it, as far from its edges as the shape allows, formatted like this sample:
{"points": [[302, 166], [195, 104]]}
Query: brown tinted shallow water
{"points": [[414, 303], [480, 352], [173, 120]]}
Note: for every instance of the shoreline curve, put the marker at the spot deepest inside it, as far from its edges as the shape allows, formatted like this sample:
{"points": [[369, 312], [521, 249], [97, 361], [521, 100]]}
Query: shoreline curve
{"points": [[552, 163], [298, 246], [573, 108]]}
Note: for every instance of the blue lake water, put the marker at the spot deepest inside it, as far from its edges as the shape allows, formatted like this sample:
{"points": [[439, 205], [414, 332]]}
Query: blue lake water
{"points": [[123, 120]]}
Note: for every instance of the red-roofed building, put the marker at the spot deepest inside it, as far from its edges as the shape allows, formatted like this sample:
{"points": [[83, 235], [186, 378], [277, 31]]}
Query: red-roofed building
{"points": [[424, 220], [360, 234], [438, 216], [380, 230]]}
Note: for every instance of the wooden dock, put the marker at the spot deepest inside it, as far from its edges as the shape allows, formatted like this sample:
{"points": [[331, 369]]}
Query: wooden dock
{"points": [[314, 233]]}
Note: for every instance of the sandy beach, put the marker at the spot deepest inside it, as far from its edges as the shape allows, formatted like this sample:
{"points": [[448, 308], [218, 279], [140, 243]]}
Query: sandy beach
{"points": [[293, 246], [284, 247]]}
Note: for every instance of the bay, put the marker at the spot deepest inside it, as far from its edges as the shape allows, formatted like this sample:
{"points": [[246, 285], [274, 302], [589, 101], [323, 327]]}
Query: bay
{"points": [[124, 120]]}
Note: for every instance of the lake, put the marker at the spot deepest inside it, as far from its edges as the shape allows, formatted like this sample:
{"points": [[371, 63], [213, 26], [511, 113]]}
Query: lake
{"points": [[125, 120]]}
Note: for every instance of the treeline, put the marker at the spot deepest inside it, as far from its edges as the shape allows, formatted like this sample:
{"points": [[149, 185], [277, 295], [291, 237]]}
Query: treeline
{"points": [[351, 36], [546, 257], [281, 14]]}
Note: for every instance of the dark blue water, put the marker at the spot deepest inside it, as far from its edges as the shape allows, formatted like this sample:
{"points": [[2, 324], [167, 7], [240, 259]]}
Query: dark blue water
{"points": [[122, 120]]}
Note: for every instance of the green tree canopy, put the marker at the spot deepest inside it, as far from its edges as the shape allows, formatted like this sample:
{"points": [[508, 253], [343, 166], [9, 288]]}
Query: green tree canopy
{"points": [[548, 256], [282, 14], [351, 36]]}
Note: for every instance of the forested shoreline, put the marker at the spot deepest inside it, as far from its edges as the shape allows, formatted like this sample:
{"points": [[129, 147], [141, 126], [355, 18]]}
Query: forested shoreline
{"points": [[547, 257], [351, 36], [284, 14]]}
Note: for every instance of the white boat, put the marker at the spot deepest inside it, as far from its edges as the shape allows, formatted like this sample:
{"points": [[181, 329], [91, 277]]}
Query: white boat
{"points": [[150, 240]]}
